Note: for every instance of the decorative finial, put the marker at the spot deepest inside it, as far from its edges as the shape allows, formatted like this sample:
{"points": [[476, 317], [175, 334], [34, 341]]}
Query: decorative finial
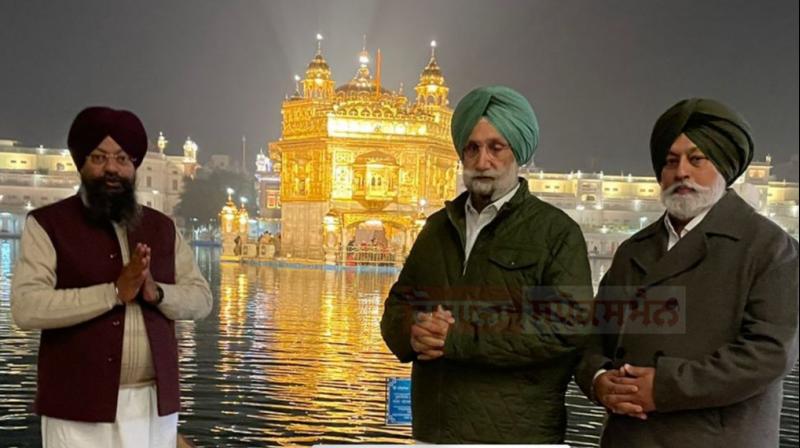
{"points": [[363, 57], [433, 49], [297, 85], [319, 43], [162, 142]]}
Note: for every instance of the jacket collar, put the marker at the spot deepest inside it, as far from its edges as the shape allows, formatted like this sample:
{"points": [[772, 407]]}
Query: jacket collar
{"points": [[717, 222], [455, 208], [457, 215], [650, 254]]}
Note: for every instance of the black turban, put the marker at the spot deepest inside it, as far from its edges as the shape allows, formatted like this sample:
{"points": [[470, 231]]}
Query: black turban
{"points": [[717, 130], [94, 124]]}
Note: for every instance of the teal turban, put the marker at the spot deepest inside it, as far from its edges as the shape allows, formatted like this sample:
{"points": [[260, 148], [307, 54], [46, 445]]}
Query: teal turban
{"points": [[717, 130], [507, 110]]}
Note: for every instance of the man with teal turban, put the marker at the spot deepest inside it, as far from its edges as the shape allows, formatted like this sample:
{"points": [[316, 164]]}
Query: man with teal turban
{"points": [[487, 304], [730, 277]]}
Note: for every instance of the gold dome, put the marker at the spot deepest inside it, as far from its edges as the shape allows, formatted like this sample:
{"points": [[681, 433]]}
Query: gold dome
{"points": [[318, 68], [432, 74], [362, 81]]}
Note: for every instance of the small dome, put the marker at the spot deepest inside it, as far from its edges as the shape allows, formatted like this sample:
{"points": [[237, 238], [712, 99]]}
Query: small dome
{"points": [[318, 68]]}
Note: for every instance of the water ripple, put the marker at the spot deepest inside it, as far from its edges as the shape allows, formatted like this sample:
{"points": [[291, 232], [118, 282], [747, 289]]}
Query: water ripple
{"points": [[288, 357]]}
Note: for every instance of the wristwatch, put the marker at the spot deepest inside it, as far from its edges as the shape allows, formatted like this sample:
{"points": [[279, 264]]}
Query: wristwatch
{"points": [[159, 295]]}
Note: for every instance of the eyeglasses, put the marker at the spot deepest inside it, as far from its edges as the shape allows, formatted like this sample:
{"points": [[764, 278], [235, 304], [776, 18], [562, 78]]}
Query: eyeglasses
{"points": [[101, 158], [493, 147]]}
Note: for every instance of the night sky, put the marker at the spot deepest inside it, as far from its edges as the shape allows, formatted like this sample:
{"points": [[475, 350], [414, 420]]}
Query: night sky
{"points": [[598, 73]]}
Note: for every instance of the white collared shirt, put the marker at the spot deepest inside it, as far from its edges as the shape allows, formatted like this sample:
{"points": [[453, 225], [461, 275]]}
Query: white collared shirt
{"points": [[478, 220], [674, 237]]}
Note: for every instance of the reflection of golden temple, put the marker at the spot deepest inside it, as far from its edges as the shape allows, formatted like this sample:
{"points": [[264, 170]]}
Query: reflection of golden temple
{"points": [[359, 164]]}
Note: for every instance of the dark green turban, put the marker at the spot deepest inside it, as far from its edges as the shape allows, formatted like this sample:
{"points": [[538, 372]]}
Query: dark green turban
{"points": [[507, 110], [717, 130]]}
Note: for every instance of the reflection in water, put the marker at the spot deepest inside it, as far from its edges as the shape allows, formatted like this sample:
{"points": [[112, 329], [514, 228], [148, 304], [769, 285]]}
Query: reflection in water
{"points": [[303, 356], [288, 357]]}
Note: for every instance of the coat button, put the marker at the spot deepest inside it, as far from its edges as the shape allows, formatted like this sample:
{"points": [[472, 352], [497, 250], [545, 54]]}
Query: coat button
{"points": [[115, 323], [112, 256], [620, 353], [110, 359]]}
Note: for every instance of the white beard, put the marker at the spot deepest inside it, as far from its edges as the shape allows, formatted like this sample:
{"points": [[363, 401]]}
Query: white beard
{"points": [[501, 183], [687, 206]]}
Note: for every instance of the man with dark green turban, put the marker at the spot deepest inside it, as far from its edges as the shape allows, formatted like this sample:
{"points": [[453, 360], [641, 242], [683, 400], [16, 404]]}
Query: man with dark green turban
{"points": [[486, 304], [726, 273]]}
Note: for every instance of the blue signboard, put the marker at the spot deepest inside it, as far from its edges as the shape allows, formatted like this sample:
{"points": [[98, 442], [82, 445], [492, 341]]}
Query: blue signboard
{"points": [[398, 401]]}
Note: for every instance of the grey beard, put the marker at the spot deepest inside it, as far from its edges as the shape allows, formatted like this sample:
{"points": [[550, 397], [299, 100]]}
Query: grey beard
{"points": [[502, 183], [686, 207]]}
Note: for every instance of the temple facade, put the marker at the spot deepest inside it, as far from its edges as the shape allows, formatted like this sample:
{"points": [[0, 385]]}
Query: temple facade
{"points": [[361, 166]]}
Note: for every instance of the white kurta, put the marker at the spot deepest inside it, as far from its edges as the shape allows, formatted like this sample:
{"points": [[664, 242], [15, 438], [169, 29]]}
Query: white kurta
{"points": [[138, 425]]}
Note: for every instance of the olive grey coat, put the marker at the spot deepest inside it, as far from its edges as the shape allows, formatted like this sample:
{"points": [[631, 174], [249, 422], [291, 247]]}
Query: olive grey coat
{"points": [[718, 380]]}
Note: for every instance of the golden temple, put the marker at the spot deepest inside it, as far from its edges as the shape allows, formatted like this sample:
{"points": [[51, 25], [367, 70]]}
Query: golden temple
{"points": [[361, 165]]}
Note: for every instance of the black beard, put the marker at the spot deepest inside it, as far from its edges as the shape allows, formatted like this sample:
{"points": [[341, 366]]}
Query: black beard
{"points": [[106, 205]]}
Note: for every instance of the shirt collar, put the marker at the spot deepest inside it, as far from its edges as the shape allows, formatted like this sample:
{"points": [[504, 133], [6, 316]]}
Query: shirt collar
{"points": [[689, 226], [495, 205]]}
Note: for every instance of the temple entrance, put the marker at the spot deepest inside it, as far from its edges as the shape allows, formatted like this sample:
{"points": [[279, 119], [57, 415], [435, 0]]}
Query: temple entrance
{"points": [[374, 242]]}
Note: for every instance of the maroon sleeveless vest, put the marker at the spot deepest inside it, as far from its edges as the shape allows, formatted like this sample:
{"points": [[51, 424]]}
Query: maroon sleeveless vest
{"points": [[79, 366]]}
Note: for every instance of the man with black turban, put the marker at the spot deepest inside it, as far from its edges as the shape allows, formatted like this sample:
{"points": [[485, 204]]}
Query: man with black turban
{"points": [[729, 278], [104, 279], [486, 304]]}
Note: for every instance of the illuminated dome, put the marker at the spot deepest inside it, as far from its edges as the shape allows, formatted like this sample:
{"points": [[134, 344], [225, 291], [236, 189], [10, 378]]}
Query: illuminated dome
{"points": [[431, 89], [432, 74], [318, 68], [362, 81]]}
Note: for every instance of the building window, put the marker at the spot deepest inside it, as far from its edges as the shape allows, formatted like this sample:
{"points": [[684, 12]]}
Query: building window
{"points": [[148, 182], [174, 184]]}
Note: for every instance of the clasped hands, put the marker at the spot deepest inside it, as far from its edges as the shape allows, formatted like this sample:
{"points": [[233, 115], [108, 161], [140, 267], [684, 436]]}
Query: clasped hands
{"points": [[429, 333], [627, 390], [136, 276]]}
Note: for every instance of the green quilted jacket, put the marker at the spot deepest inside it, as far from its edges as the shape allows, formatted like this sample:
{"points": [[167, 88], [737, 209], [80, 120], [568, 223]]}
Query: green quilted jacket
{"points": [[518, 304]]}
